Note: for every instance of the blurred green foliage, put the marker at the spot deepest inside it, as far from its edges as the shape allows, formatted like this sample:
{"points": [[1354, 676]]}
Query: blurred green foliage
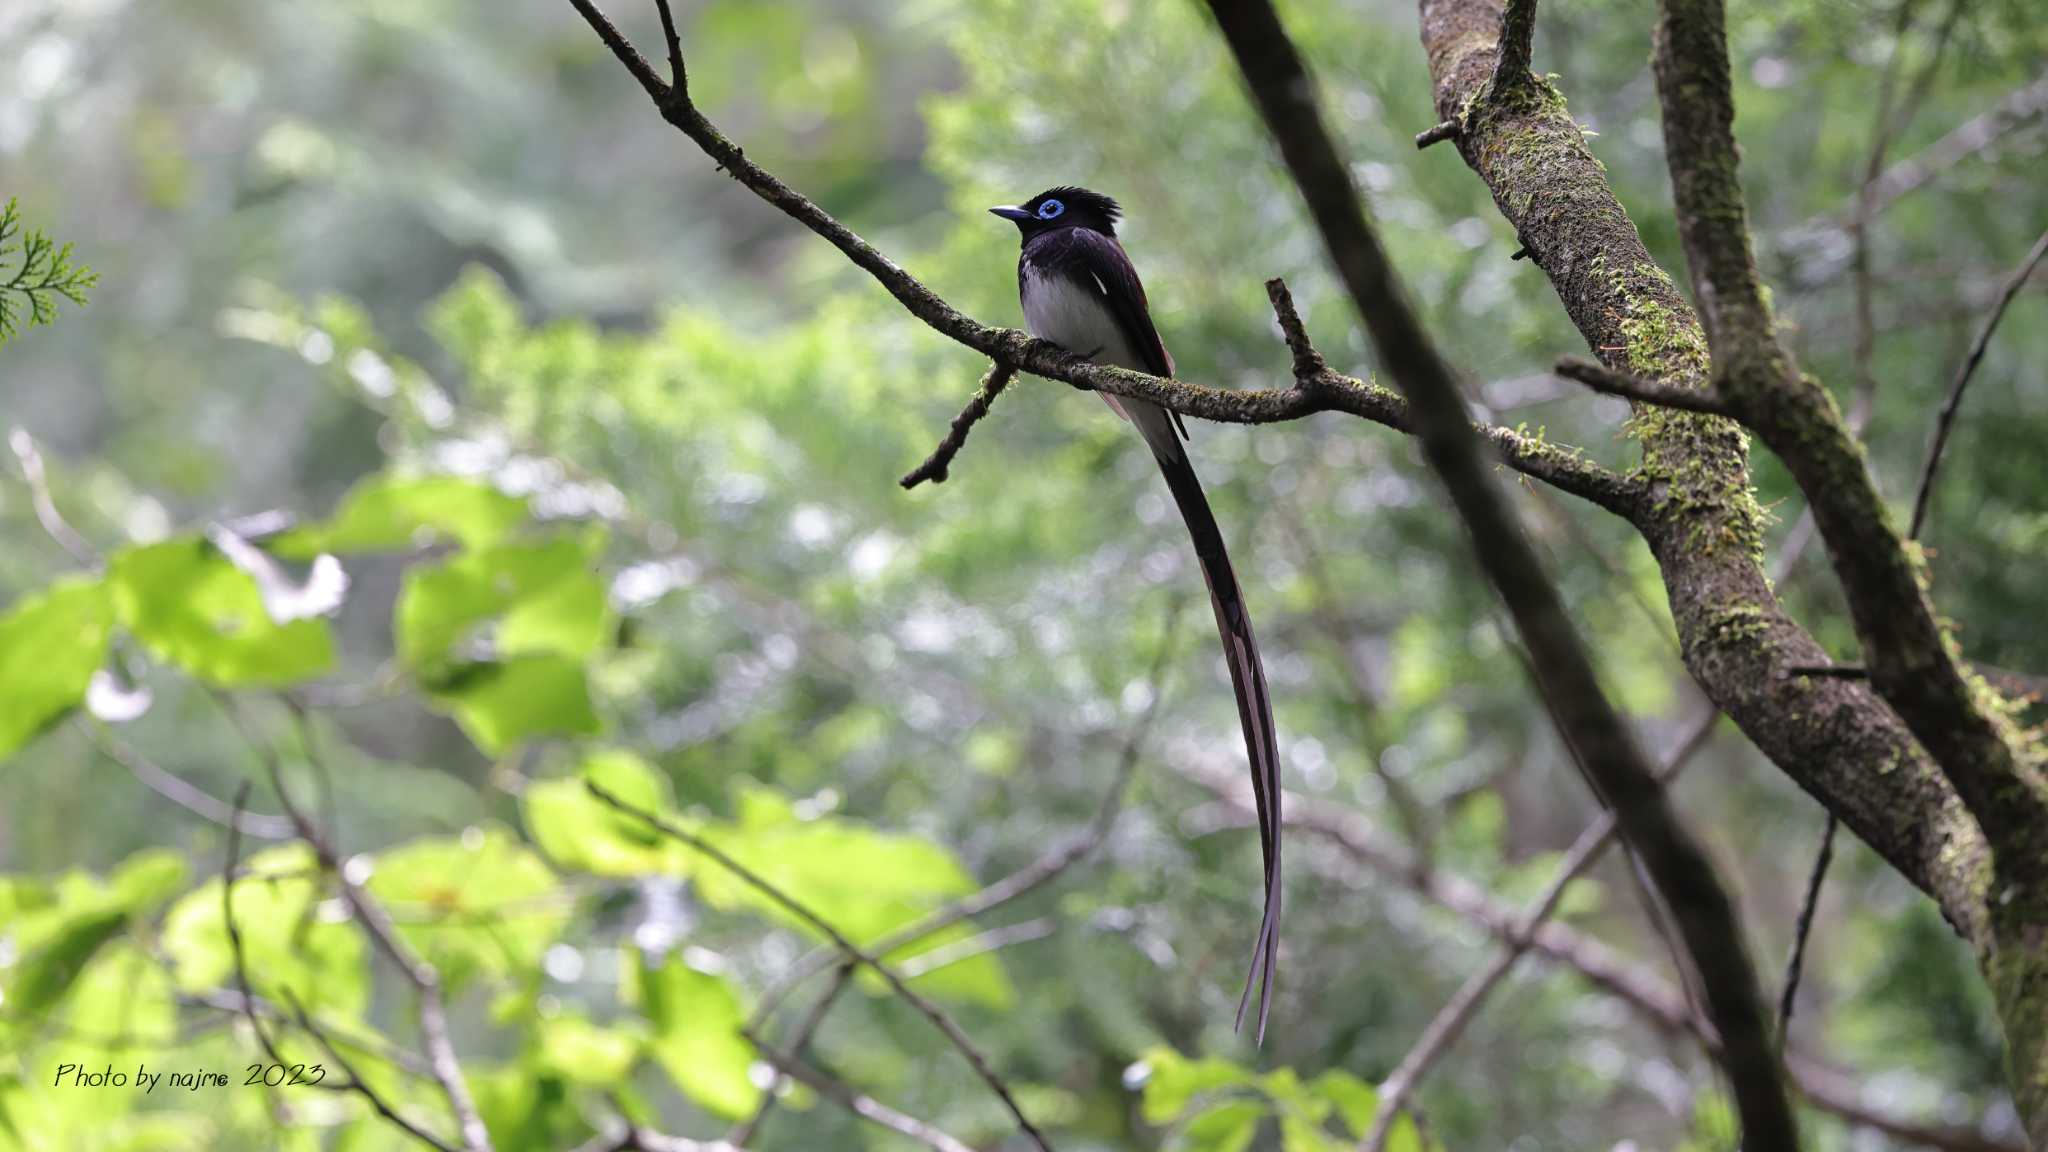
{"points": [[608, 451]]}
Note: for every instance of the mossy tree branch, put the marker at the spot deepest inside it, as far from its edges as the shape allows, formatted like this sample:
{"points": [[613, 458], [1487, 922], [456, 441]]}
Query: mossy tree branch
{"points": [[1913, 662], [1837, 738], [1685, 878]]}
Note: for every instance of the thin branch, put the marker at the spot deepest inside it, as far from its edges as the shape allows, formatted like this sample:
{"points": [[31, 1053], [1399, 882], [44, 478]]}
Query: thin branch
{"points": [[1706, 918], [1945, 419], [377, 922], [932, 1012], [677, 77], [353, 1082], [743, 1134], [2015, 110], [864, 1106], [980, 944], [181, 792], [1808, 906], [934, 468], [1450, 1021], [53, 521], [1517, 34], [1447, 130], [1567, 470], [1601, 378]]}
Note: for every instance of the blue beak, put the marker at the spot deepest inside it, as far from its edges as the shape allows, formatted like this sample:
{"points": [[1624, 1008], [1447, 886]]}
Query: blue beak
{"points": [[1010, 213]]}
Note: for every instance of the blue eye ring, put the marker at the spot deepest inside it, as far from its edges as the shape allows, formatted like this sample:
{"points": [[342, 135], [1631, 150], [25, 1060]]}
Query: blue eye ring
{"points": [[1050, 210]]}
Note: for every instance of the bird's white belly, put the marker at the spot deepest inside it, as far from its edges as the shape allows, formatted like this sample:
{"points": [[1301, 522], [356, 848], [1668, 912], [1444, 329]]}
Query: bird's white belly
{"points": [[1059, 310]]}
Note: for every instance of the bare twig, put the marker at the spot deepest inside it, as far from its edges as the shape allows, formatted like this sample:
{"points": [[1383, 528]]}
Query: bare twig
{"points": [[2017, 109], [1803, 928], [1706, 919], [376, 921], [1450, 1021], [1945, 419], [353, 1082], [1448, 130], [980, 944], [743, 1134], [181, 792], [53, 521], [825, 928], [1601, 378], [864, 1106], [934, 468]]}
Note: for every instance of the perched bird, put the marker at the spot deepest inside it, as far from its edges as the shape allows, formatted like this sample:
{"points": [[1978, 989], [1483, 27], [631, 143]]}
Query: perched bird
{"points": [[1080, 291]]}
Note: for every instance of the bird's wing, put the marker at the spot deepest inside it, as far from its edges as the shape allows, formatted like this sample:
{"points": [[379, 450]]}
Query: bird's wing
{"points": [[1107, 270]]}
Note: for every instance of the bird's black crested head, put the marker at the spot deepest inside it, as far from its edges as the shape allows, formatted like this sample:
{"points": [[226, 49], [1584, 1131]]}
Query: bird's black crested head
{"points": [[1064, 207]]}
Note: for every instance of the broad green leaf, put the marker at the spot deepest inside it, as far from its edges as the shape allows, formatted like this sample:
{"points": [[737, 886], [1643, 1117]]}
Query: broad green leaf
{"points": [[547, 592], [578, 831], [1227, 1127], [59, 930], [525, 1108], [1174, 1081], [122, 1003], [43, 976], [695, 1020], [192, 608], [290, 941], [500, 704], [577, 1050], [50, 645], [387, 513], [475, 904]]}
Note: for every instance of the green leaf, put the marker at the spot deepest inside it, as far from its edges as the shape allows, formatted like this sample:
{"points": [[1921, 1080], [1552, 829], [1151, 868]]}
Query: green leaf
{"points": [[192, 608], [1227, 1127], [578, 831], [288, 943], [122, 1003], [548, 593], [575, 1049], [60, 928], [45, 975], [475, 904], [387, 513], [50, 645], [696, 1018], [501, 704], [1174, 1081]]}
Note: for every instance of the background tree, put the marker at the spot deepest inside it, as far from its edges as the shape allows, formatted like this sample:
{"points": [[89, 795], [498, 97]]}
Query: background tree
{"points": [[575, 417]]}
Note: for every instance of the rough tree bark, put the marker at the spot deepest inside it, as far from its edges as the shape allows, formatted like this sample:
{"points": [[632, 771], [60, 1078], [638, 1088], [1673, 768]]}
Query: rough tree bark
{"points": [[1841, 740]]}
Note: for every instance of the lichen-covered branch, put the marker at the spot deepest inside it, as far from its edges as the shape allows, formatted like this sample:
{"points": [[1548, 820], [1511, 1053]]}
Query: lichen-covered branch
{"points": [[1686, 879], [1837, 738]]}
